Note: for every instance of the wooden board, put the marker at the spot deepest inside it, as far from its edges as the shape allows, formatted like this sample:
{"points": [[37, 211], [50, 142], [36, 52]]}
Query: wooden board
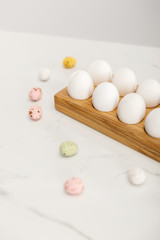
{"points": [[133, 136]]}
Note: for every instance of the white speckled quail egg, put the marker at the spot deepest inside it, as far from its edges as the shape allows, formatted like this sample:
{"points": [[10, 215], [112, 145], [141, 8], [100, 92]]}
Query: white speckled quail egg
{"points": [[100, 71], [136, 176], [150, 91], [105, 97], [131, 109], [44, 74], [80, 85], [152, 123], [125, 80]]}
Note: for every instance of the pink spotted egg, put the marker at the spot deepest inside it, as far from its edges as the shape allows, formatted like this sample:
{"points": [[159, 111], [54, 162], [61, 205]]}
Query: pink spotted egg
{"points": [[35, 112], [74, 186], [35, 94]]}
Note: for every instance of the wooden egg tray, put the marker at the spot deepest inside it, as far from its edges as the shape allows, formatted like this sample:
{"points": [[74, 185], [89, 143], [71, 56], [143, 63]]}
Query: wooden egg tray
{"points": [[133, 136]]}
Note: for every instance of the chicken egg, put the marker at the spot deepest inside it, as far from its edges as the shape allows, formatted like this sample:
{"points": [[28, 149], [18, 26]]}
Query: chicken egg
{"points": [[125, 80], [100, 71], [105, 97], [152, 123], [150, 91], [80, 85], [131, 109]]}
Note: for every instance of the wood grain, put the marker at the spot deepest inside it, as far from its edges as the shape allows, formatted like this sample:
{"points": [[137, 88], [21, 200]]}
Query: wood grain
{"points": [[107, 123]]}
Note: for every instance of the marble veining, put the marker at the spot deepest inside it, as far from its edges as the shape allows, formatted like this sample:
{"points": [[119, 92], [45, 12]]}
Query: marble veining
{"points": [[33, 204], [62, 223]]}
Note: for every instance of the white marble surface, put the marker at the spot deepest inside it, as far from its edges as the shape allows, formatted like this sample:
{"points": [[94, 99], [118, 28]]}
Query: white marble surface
{"points": [[33, 205]]}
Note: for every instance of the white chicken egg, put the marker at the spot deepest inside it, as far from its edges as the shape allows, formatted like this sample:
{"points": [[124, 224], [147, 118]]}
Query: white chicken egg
{"points": [[136, 176], [131, 109], [150, 91], [100, 71], [44, 74], [105, 97], [152, 123], [125, 80], [80, 85]]}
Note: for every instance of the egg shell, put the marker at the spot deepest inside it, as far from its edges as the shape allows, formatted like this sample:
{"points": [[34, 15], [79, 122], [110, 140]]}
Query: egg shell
{"points": [[69, 62], [35, 112], [150, 91], [35, 94], [80, 85], [44, 74], [152, 123], [131, 109], [125, 80], [100, 71], [105, 97], [74, 186], [136, 176], [68, 148]]}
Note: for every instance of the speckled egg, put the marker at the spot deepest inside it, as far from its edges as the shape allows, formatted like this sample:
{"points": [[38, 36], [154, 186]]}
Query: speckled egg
{"points": [[69, 62], [68, 148], [74, 186], [35, 94], [35, 112]]}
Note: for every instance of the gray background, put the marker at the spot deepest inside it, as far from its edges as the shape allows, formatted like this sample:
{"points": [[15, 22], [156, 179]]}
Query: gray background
{"points": [[124, 21]]}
